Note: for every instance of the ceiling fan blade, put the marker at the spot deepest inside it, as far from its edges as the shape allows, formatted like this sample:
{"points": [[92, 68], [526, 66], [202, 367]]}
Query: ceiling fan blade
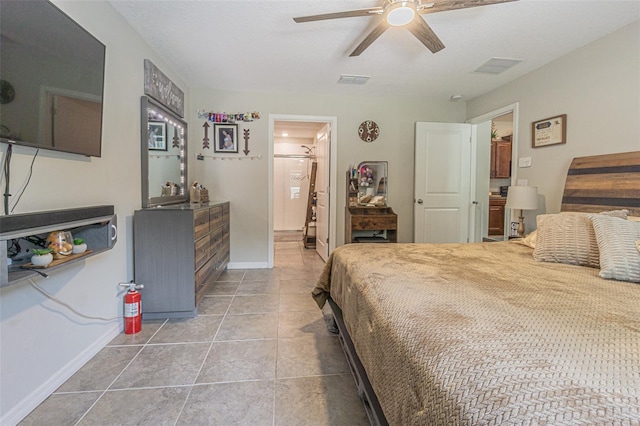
{"points": [[371, 37], [336, 15], [444, 5], [425, 34]]}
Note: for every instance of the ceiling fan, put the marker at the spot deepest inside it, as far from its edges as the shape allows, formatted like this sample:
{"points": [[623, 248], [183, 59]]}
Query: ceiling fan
{"points": [[399, 13]]}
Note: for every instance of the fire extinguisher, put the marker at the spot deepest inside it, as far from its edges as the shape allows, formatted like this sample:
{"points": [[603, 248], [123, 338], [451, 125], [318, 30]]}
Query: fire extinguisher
{"points": [[132, 308]]}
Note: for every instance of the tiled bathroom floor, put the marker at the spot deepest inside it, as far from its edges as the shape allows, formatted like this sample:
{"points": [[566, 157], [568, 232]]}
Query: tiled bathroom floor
{"points": [[257, 354]]}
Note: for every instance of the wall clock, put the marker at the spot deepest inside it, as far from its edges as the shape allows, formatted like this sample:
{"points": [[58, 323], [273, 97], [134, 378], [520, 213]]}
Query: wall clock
{"points": [[368, 131], [7, 93]]}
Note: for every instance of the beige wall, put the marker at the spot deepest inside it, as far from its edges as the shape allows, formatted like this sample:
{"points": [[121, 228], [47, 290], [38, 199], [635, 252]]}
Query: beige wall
{"points": [[597, 86], [244, 183], [42, 342]]}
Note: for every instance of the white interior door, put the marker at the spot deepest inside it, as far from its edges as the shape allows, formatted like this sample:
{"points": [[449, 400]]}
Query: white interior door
{"points": [[442, 182], [322, 196], [482, 163]]}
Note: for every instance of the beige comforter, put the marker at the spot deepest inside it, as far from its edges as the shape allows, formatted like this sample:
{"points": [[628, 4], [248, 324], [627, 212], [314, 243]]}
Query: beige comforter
{"points": [[481, 334]]}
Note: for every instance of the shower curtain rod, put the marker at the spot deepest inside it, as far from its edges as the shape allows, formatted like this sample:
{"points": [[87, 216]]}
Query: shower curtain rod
{"points": [[313, 157]]}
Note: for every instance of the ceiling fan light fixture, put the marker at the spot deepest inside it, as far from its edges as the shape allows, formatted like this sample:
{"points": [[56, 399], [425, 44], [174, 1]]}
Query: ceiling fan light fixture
{"points": [[401, 13]]}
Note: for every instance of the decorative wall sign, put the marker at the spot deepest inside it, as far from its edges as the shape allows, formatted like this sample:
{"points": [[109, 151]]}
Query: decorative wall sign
{"points": [[246, 141], [368, 131], [161, 88], [550, 131], [226, 138], [205, 140]]}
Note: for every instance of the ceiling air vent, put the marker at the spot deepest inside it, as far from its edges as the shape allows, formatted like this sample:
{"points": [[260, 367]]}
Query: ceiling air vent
{"points": [[497, 65], [353, 79]]}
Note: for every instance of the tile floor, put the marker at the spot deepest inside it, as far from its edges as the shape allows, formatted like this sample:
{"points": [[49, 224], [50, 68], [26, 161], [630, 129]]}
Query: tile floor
{"points": [[257, 354]]}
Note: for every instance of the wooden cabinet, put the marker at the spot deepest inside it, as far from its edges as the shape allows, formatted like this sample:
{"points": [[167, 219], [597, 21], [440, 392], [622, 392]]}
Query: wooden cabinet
{"points": [[367, 223], [500, 159], [180, 251], [371, 224], [496, 215]]}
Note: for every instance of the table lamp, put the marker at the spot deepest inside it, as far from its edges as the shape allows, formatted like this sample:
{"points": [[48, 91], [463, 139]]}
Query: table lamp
{"points": [[523, 198]]}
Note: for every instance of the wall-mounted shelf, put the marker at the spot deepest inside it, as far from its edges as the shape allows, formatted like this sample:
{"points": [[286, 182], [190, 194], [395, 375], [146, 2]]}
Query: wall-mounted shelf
{"points": [[97, 225]]}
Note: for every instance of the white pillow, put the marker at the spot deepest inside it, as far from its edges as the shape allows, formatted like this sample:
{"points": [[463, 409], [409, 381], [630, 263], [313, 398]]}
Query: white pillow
{"points": [[619, 256], [568, 237]]}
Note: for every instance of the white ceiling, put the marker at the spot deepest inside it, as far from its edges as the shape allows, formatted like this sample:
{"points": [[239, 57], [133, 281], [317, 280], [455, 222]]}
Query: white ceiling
{"points": [[250, 45]]}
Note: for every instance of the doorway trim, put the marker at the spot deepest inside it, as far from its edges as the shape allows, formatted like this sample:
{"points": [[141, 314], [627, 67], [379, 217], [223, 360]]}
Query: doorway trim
{"points": [[507, 109], [333, 161]]}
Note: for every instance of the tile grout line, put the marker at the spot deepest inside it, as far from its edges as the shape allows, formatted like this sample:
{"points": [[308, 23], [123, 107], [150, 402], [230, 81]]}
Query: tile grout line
{"points": [[204, 360], [120, 374], [275, 372]]}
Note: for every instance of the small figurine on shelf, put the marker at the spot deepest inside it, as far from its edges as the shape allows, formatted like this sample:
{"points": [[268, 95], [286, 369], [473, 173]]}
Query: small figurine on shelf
{"points": [[60, 243]]}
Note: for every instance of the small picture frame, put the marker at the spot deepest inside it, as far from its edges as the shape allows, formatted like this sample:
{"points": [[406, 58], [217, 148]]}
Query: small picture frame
{"points": [[225, 138], [157, 136], [550, 131]]}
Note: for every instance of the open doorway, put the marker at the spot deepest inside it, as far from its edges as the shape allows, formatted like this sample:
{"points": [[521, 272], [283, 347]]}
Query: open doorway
{"points": [[301, 204], [494, 167]]}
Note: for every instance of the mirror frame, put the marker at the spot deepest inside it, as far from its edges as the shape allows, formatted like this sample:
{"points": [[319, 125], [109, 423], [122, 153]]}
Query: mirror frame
{"points": [[147, 201]]}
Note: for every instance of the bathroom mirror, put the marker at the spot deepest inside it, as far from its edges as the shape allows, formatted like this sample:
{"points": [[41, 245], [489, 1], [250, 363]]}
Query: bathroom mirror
{"points": [[163, 155]]}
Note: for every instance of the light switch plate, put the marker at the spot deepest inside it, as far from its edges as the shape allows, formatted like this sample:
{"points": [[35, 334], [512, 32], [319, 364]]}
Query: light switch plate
{"points": [[524, 162], [523, 182]]}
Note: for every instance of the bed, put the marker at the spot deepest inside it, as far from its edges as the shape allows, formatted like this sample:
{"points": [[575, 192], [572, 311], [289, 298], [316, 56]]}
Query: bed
{"points": [[501, 333]]}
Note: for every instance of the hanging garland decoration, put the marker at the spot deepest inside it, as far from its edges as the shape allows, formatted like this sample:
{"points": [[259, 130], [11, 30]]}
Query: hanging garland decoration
{"points": [[201, 157], [225, 117]]}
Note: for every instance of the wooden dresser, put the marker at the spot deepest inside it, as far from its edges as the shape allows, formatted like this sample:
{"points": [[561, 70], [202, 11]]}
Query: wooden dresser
{"points": [[371, 224], [180, 251]]}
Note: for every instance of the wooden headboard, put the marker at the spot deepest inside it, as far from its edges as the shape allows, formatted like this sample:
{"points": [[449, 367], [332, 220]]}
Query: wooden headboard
{"points": [[603, 182]]}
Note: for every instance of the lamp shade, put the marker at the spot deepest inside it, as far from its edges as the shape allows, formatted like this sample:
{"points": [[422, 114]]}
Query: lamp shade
{"points": [[522, 197]]}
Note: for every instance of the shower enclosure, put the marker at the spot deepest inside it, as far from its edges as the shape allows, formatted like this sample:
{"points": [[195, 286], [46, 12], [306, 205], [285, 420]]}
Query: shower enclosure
{"points": [[291, 190]]}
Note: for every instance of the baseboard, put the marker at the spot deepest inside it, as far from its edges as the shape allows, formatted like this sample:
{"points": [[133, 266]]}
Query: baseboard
{"points": [[35, 398], [248, 265]]}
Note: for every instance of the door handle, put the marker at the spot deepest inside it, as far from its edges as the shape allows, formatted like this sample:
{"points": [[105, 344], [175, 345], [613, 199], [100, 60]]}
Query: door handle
{"points": [[420, 201]]}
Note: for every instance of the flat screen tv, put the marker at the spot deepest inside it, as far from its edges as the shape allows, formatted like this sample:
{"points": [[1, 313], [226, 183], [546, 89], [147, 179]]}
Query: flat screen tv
{"points": [[51, 79]]}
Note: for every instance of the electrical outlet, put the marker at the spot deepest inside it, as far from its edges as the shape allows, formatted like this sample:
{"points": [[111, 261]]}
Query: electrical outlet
{"points": [[523, 182], [524, 162]]}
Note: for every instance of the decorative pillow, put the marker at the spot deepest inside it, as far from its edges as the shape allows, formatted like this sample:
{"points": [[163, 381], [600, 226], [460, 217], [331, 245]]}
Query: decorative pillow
{"points": [[619, 258], [568, 237]]}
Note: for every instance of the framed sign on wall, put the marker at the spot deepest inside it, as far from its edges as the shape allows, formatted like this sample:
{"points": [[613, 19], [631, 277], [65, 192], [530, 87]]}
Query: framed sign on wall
{"points": [[550, 131]]}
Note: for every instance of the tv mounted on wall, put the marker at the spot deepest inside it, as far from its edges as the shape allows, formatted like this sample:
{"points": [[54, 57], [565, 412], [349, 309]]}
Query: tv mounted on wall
{"points": [[51, 79]]}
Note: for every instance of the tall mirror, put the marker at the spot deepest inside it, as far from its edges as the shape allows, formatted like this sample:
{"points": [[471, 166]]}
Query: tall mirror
{"points": [[163, 155]]}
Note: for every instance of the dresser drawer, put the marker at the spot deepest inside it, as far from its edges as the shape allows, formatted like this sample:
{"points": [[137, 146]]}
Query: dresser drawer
{"points": [[373, 222], [204, 274], [216, 241], [202, 250], [215, 217], [201, 223]]}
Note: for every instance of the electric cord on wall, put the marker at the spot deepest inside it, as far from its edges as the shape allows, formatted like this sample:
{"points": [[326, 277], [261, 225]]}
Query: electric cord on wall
{"points": [[24, 186], [48, 295]]}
